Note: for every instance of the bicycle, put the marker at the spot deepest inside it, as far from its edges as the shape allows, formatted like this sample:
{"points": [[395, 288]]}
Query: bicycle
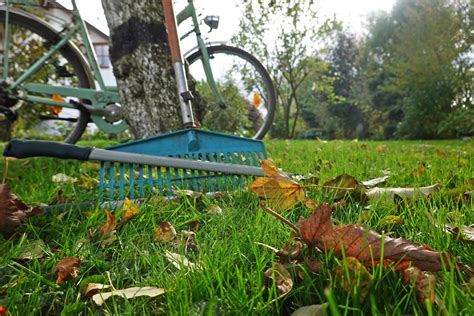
{"points": [[61, 76]]}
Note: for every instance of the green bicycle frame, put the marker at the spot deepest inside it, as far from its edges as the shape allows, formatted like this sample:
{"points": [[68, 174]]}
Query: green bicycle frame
{"points": [[105, 95], [190, 12]]}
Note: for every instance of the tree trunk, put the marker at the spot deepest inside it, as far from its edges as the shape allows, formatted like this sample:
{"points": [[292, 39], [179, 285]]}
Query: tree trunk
{"points": [[142, 65], [6, 128]]}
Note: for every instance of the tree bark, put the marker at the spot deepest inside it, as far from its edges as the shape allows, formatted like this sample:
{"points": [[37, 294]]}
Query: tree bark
{"points": [[142, 65], [6, 128]]}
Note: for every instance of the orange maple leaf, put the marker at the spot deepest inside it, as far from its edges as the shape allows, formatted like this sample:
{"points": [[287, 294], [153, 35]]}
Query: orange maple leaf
{"points": [[66, 269], [277, 187]]}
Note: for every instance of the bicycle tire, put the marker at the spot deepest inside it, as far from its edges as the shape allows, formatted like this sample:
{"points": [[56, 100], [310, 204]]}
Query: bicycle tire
{"points": [[260, 71], [76, 63]]}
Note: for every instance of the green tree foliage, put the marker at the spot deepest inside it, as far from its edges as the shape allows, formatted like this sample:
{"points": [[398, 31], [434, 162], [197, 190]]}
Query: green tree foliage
{"points": [[284, 35], [418, 69]]}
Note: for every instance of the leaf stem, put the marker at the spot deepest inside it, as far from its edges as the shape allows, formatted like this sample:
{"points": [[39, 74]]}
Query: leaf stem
{"points": [[280, 218]]}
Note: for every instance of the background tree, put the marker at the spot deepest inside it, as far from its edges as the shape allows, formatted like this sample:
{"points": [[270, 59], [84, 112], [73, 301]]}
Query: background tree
{"points": [[142, 65], [290, 54]]}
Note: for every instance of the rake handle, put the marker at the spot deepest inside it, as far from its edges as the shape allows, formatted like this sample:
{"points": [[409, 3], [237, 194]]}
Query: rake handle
{"points": [[29, 148]]}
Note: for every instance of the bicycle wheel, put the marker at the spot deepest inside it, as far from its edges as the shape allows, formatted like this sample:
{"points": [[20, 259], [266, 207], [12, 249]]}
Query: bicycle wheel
{"points": [[247, 89], [66, 67]]}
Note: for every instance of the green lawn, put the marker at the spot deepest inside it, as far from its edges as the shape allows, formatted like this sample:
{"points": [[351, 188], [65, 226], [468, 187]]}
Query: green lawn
{"points": [[233, 262]]}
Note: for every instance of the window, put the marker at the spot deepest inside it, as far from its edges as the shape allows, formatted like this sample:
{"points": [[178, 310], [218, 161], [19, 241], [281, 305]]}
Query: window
{"points": [[102, 53]]}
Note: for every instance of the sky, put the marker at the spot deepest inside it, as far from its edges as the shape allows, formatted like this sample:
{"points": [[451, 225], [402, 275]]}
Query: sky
{"points": [[352, 12]]}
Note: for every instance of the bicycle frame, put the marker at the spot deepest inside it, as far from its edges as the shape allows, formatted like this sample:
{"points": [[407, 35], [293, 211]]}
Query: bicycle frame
{"points": [[190, 12], [105, 95]]}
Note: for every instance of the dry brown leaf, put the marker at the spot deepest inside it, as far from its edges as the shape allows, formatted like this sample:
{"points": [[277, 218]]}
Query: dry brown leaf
{"points": [[424, 283], [165, 232], [13, 211], [311, 310], [374, 182], [464, 233], [93, 288], [290, 252], [180, 261], [365, 245], [277, 187], [132, 292], [66, 269], [281, 277], [388, 194], [188, 237], [63, 178], [345, 185]]}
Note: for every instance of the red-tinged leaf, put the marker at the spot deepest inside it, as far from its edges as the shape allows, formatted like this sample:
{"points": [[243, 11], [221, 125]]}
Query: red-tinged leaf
{"points": [[66, 269], [365, 245], [277, 187], [13, 211], [3, 311]]}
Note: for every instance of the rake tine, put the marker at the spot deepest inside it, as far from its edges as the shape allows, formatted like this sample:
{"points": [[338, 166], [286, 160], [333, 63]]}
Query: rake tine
{"points": [[150, 178], [101, 181], [239, 177], [234, 183], [132, 181], [122, 181], [111, 181], [168, 179], [160, 179], [141, 182]]}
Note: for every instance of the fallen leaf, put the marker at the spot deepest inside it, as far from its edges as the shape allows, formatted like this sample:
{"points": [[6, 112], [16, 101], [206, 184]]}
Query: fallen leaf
{"points": [[189, 240], [391, 220], [130, 210], [311, 310], [345, 185], [308, 179], [66, 269], [374, 182], [165, 232], [423, 282], [13, 211], [365, 245], [420, 171], [88, 183], [388, 194], [132, 292], [3, 310], [108, 231], [63, 178], [214, 209], [464, 233], [281, 277], [180, 261], [381, 148], [32, 249], [290, 252], [109, 225], [277, 187], [353, 277], [93, 288]]}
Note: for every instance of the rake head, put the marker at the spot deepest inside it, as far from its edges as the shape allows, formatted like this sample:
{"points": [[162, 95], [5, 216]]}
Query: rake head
{"points": [[119, 180]]}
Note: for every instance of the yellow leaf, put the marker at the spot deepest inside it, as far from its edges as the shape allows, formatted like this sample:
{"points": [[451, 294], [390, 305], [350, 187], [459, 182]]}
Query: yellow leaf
{"points": [[277, 187], [130, 210]]}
